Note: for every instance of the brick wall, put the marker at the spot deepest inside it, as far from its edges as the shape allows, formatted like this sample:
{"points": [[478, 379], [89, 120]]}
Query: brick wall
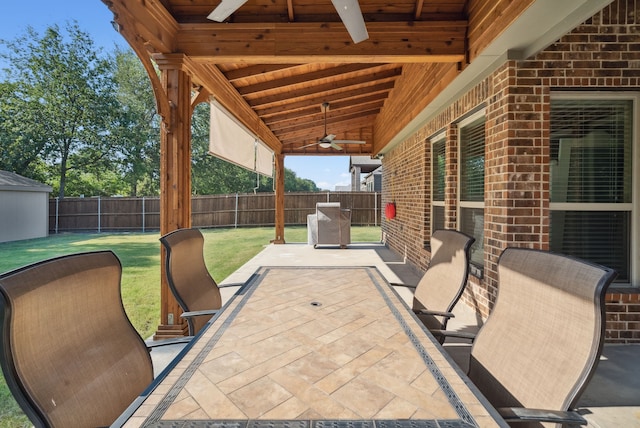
{"points": [[623, 316], [602, 54], [406, 182]]}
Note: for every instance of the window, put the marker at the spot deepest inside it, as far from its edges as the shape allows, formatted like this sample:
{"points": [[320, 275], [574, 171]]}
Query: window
{"points": [[438, 165], [471, 192], [591, 179]]}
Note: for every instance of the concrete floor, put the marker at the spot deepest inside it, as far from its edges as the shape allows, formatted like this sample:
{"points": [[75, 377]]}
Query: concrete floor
{"points": [[611, 400]]}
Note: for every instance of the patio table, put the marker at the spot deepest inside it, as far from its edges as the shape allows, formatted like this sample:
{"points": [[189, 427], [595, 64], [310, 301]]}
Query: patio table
{"points": [[323, 347]]}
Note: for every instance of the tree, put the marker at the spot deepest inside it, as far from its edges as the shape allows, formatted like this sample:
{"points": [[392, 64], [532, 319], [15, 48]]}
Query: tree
{"points": [[137, 131], [20, 153], [293, 183], [66, 96], [87, 124]]}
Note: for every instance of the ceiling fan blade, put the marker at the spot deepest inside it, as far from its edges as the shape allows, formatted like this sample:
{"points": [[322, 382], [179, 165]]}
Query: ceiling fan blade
{"points": [[335, 146], [349, 142], [327, 138], [308, 145], [351, 16], [224, 9]]}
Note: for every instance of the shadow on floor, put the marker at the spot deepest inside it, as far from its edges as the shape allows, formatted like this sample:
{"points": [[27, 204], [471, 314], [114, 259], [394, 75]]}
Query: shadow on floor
{"points": [[612, 397]]}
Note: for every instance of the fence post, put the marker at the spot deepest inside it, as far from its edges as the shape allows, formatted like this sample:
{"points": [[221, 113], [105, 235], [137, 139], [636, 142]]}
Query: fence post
{"points": [[57, 212], [235, 221], [375, 208], [99, 214], [143, 214]]}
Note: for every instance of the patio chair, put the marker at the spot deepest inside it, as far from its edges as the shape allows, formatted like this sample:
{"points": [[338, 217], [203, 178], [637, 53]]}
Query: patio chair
{"points": [[444, 281], [69, 354], [196, 291], [543, 339]]}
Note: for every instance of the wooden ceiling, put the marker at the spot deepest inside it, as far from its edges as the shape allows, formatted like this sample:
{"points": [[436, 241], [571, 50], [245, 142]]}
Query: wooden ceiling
{"points": [[274, 62]]}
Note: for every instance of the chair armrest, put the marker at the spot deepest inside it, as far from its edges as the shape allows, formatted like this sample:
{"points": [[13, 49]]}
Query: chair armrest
{"points": [[437, 313], [231, 284], [521, 414], [458, 334], [399, 284], [191, 314], [165, 342]]}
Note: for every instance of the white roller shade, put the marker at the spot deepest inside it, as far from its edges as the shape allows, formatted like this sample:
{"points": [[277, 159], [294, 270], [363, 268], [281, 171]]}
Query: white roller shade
{"points": [[233, 142], [264, 159]]}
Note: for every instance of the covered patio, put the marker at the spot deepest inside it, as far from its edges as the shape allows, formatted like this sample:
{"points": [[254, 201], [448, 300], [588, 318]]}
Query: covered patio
{"points": [[292, 75]]}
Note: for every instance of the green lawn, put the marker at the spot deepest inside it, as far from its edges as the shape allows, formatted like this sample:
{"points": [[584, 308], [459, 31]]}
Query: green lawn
{"points": [[225, 251]]}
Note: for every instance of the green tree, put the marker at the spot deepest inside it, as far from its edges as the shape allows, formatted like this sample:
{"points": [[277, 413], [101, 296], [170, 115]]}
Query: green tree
{"points": [[293, 183], [20, 152], [66, 95], [137, 130]]}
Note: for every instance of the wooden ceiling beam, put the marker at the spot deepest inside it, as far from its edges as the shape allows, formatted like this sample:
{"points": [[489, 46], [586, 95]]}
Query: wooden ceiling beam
{"points": [[312, 109], [305, 78], [255, 70], [381, 76], [341, 123], [418, 86], [311, 114], [315, 150], [329, 96], [347, 132], [212, 79], [148, 21], [270, 43], [318, 120]]}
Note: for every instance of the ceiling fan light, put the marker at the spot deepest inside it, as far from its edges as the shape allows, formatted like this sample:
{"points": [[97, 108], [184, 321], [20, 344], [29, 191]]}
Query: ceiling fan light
{"points": [[324, 144]]}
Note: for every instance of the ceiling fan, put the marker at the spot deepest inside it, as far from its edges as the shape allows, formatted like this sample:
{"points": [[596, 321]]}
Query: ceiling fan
{"points": [[348, 10], [329, 141]]}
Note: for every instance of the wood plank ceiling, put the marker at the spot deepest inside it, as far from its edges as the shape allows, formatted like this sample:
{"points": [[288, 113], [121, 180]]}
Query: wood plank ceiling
{"points": [[273, 63]]}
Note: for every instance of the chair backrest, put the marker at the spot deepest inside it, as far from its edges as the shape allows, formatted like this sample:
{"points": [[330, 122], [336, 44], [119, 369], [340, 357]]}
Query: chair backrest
{"points": [[543, 338], [444, 281], [70, 355], [188, 276]]}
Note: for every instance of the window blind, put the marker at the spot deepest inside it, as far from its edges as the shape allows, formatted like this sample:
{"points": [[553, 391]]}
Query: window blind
{"points": [[232, 141], [438, 170], [472, 161], [471, 222], [591, 151], [591, 181]]}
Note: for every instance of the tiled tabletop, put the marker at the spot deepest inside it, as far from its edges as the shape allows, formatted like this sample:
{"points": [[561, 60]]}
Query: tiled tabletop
{"points": [[314, 346]]}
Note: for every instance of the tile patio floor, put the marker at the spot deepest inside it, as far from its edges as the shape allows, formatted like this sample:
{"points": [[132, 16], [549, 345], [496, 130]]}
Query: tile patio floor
{"points": [[612, 399]]}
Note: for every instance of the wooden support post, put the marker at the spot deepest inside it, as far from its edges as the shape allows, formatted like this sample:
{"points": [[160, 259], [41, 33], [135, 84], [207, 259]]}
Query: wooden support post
{"points": [[279, 163], [175, 178]]}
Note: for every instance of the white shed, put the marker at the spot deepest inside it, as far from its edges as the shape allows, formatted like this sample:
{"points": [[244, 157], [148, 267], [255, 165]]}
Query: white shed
{"points": [[24, 207]]}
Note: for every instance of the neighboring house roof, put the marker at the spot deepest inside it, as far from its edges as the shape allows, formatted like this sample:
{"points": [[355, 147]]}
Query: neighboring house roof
{"points": [[376, 171], [366, 163], [14, 182]]}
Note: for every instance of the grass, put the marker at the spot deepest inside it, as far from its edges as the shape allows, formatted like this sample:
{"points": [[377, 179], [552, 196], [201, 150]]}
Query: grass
{"points": [[225, 251]]}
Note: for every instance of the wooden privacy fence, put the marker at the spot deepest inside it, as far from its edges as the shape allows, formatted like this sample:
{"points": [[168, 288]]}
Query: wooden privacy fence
{"points": [[100, 214]]}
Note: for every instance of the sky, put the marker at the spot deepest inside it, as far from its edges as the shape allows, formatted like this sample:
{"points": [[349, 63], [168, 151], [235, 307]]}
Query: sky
{"points": [[94, 18]]}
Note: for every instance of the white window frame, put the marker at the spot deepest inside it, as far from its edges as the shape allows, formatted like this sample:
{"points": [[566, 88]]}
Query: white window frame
{"points": [[437, 139], [633, 207], [480, 114]]}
